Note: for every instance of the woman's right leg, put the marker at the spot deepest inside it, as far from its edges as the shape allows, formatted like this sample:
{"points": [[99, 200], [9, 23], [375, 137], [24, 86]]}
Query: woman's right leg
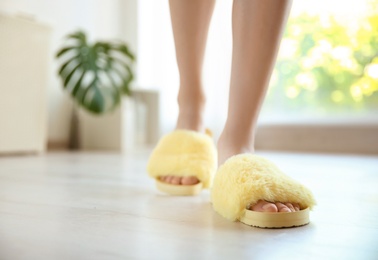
{"points": [[190, 24]]}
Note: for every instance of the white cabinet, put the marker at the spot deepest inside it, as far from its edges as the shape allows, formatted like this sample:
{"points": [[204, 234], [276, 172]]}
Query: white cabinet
{"points": [[24, 57]]}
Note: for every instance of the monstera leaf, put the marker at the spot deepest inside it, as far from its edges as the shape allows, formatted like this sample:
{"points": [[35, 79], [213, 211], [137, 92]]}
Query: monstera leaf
{"points": [[96, 75]]}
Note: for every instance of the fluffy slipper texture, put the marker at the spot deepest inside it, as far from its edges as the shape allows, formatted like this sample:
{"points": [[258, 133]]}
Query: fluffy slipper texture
{"points": [[245, 178], [184, 153]]}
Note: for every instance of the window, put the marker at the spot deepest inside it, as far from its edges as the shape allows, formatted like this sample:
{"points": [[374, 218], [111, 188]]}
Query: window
{"points": [[328, 61]]}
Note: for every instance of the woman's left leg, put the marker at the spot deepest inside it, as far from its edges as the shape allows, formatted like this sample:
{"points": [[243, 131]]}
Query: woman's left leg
{"points": [[257, 28]]}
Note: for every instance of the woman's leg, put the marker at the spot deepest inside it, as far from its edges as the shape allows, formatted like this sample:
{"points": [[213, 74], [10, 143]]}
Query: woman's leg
{"points": [[190, 24], [257, 28]]}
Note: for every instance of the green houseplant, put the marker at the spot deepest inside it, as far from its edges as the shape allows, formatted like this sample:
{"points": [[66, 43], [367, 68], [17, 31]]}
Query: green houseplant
{"points": [[96, 75]]}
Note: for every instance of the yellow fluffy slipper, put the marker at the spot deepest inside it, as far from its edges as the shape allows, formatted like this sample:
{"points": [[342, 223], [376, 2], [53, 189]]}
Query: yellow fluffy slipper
{"points": [[184, 153], [245, 179]]}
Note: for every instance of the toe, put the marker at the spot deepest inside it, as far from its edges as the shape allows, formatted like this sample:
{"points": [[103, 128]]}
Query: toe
{"points": [[175, 180], [264, 206], [184, 180], [296, 207], [282, 207], [290, 206], [168, 179], [190, 180]]}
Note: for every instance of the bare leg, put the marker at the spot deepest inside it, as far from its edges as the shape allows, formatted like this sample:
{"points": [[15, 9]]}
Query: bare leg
{"points": [[257, 28], [190, 24]]}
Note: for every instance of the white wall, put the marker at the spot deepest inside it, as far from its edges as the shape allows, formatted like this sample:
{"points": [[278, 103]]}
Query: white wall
{"points": [[99, 18]]}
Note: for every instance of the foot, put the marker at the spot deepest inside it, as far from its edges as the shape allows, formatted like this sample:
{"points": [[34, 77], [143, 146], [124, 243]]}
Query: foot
{"points": [[226, 149], [187, 121]]}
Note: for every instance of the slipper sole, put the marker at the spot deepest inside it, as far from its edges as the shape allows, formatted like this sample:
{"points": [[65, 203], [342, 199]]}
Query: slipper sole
{"points": [[276, 219], [179, 190]]}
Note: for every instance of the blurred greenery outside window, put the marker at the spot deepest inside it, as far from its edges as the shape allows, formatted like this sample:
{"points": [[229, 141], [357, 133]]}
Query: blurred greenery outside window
{"points": [[327, 65]]}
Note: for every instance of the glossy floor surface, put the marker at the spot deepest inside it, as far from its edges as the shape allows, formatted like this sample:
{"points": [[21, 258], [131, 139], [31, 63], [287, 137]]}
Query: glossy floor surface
{"points": [[103, 206]]}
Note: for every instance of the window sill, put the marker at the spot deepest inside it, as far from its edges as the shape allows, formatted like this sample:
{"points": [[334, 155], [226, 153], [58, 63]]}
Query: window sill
{"points": [[337, 137]]}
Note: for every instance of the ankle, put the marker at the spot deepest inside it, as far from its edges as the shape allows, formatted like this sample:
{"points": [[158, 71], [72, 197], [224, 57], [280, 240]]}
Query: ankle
{"points": [[230, 144], [191, 120], [191, 112]]}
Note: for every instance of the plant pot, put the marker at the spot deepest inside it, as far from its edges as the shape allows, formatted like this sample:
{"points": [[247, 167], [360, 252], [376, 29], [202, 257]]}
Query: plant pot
{"points": [[106, 132], [135, 123]]}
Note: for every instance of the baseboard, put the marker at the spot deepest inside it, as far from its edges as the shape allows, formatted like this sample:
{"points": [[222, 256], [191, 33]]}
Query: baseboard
{"points": [[322, 138]]}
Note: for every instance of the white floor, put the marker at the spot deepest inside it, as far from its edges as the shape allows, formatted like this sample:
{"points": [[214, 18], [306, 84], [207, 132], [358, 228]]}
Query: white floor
{"points": [[103, 206]]}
